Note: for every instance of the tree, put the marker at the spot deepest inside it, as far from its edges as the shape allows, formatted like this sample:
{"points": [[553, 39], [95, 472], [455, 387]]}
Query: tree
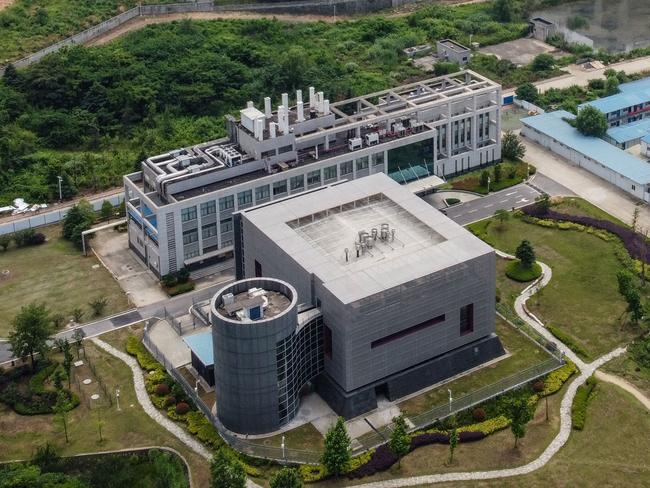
{"points": [[5, 241], [98, 305], [485, 178], [635, 219], [511, 146], [453, 443], [502, 216], [31, 330], [227, 471], [625, 283], [498, 173], [57, 379], [68, 359], [61, 408], [591, 122], [519, 413], [527, 92], [400, 441], [77, 314], [106, 211], [543, 62], [77, 339], [504, 10], [612, 85], [525, 254], [78, 219], [286, 478], [336, 455]]}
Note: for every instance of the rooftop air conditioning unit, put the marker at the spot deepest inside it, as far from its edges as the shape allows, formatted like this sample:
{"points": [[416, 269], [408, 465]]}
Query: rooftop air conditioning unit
{"points": [[355, 143], [228, 299]]}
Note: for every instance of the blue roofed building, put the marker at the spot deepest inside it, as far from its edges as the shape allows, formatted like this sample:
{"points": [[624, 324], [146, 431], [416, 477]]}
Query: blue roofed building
{"points": [[630, 105], [202, 355], [605, 160]]}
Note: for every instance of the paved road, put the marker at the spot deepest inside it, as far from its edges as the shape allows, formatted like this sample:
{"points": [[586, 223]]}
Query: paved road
{"points": [[550, 186], [175, 306], [482, 208]]}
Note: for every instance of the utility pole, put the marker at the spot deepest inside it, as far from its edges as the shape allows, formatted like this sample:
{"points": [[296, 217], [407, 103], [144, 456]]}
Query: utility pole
{"points": [[60, 191], [450, 399]]}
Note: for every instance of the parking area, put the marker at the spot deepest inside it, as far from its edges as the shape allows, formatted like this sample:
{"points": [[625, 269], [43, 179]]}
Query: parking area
{"points": [[136, 280], [521, 51]]}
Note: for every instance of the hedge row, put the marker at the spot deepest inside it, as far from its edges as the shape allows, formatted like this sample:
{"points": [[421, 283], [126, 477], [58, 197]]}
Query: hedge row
{"points": [[555, 380], [567, 340], [634, 243], [582, 398], [146, 361]]}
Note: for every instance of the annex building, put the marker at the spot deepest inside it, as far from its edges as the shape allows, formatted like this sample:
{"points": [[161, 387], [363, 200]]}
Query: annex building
{"points": [[180, 205], [359, 289]]}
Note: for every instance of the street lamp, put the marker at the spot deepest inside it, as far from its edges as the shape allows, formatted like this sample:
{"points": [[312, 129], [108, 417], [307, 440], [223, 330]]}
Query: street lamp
{"points": [[60, 191], [117, 398], [450, 399], [489, 184], [284, 455]]}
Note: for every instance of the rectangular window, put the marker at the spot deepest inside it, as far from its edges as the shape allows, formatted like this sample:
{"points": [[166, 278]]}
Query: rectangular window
{"points": [[279, 187], [190, 236], [346, 168], [188, 214], [327, 341], [226, 243], [408, 331], [378, 159], [285, 149], [226, 225], [329, 173], [467, 319], [258, 269], [226, 203], [313, 178], [268, 154], [362, 163], [245, 197], [208, 208], [190, 254], [208, 231], [262, 192], [297, 182]]}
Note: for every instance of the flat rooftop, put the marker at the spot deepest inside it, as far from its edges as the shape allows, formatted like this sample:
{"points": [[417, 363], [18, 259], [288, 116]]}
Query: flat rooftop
{"points": [[453, 45], [201, 346], [273, 302], [632, 93], [610, 156], [316, 228], [630, 132]]}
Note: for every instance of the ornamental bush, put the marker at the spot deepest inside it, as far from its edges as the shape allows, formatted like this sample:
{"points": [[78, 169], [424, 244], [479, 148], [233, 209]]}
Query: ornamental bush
{"points": [[538, 386], [182, 408], [162, 389], [580, 403], [169, 401], [478, 414], [557, 378]]}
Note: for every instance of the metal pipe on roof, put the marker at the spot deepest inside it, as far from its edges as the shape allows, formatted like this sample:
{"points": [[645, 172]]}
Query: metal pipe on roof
{"points": [[267, 107]]}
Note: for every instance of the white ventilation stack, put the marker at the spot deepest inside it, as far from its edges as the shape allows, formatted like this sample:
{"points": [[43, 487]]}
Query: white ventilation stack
{"points": [[267, 107], [326, 107], [312, 97], [249, 104], [273, 127], [285, 100], [319, 102], [298, 96], [283, 119], [259, 129], [300, 111]]}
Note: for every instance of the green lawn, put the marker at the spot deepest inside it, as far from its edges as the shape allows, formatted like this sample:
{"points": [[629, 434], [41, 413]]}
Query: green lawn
{"points": [[523, 353], [129, 427], [611, 451], [471, 181], [625, 367], [58, 275], [582, 298], [305, 437]]}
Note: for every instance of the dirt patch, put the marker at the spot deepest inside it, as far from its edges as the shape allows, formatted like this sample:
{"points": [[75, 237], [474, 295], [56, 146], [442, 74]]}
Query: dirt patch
{"points": [[5, 3]]}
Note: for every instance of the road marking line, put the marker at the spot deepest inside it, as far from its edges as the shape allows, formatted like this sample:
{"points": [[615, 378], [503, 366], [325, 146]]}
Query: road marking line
{"points": [[511, 193], [472, 211]]}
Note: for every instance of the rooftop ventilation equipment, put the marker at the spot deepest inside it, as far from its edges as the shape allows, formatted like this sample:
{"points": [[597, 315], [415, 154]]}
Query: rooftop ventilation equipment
{"points": [[355, 143], [372, 138], [267, 107], [228, 299]]}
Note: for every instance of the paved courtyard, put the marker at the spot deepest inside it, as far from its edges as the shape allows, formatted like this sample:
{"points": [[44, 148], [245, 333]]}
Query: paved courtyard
{"points": [[521, 51]]}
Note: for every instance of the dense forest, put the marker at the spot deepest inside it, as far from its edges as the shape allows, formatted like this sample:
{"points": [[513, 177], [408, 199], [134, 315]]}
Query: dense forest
{"points": [[90, 114]]}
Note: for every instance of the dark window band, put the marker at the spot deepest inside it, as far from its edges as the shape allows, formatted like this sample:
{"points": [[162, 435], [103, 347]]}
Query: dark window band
{"points": [[410, 330]]}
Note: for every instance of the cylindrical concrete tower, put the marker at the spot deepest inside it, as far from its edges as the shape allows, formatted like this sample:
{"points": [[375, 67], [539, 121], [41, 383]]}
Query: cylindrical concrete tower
{"points": [[253, 325]]}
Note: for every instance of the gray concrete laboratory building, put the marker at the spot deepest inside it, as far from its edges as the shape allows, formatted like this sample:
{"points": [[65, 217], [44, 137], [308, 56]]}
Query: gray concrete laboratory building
{"points": [[358, 289]]}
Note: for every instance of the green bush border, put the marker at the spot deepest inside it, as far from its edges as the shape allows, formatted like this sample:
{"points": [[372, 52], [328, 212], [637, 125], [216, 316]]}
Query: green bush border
{"points": [[515, 271], [579, 408]]}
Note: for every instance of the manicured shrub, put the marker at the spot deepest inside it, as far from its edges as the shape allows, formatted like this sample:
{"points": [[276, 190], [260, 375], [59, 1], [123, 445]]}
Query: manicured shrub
{"points": [[36, 239], [452, 201], [557, 378], [146, 361], [182, 408], [181, 288], [169, 401], [429, 438], [515, 271], [382, 459], [162, 389], [479, 414], [568, 340], [580, 403], [470, 436], [539, 386], [310, 473], [487, 427]]}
